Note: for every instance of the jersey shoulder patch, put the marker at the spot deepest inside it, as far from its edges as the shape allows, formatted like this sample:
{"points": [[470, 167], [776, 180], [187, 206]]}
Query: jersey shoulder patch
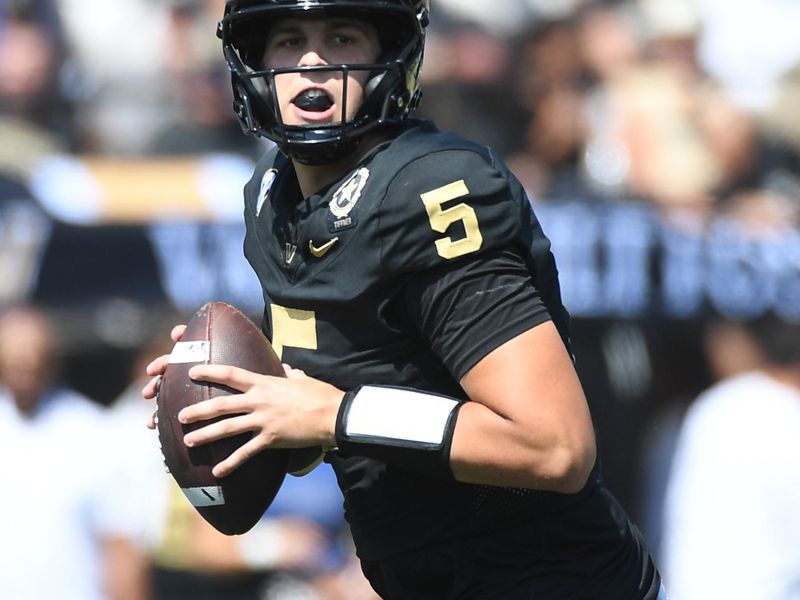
{"points": [[258, 191]]}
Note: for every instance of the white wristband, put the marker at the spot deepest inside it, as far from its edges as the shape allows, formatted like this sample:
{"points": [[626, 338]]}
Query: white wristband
{"points": [[399, 426], [397, 414]]}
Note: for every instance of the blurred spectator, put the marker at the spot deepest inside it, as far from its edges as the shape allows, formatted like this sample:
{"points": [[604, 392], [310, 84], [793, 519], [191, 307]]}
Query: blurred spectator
{"points": [[465, 83], [201, 118], [670, 31], [721, 349], [732, 525], [550, 164], [547, 82], [659, 130], [747, 46], [501, 18], [118, 48], [780, 119], [24, 232], [64, 535], [35, 117], [645, 142], [609, 39], [745, 155], [545, 56]]}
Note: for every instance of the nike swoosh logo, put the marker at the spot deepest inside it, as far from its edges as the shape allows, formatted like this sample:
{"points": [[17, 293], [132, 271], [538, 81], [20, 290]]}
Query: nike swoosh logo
{"points": [[322, 250]]}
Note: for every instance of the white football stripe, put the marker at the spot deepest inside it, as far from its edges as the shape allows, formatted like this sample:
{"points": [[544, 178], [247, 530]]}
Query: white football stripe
{"points": [[205, 496], [190, 352]]}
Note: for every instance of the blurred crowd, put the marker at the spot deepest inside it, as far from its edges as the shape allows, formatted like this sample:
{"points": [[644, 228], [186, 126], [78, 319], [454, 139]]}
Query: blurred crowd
{"points": [[686, 104], [688, 107], [92, 513]]}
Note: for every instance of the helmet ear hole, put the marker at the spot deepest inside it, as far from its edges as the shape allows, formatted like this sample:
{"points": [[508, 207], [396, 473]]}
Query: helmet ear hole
{"points": [[254, 104], [372, 84], [241, 106], [380, 93], [262, 89]]}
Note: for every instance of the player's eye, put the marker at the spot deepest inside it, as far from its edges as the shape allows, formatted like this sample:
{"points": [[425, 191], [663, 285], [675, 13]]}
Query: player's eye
{"points": [[348, 36], [289, 41], [284, 39], [344, 39]]}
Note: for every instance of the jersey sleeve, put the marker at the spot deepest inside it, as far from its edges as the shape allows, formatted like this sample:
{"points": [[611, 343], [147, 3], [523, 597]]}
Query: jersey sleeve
{"points": [[452, 231], [466, 310]]}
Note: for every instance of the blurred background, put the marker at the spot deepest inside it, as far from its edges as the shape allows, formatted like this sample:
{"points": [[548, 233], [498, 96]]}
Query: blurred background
{"points": [[659, 142]]}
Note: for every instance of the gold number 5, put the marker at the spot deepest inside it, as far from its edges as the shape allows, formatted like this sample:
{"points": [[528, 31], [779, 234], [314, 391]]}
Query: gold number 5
{"points": [[441, 219], [293, 327]]}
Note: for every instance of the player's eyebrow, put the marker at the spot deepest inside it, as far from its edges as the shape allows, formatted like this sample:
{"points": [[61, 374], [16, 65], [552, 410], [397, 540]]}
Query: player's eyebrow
{"points": [[284, 27], [341, 22], [294, 27]]}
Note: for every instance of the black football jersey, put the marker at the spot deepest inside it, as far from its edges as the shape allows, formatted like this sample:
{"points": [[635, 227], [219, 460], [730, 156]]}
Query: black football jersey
{"points": [[407, 271]]}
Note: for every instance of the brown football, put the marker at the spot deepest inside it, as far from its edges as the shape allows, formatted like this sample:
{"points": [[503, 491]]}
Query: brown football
{"points": [[218, 334]]}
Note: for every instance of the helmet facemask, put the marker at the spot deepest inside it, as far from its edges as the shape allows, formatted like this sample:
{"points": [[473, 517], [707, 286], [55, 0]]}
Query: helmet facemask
{"points": [[391, 89]]}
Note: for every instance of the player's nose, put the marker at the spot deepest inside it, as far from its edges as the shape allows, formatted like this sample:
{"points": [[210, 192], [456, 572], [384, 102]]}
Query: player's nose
{"points": [[311, 58]]}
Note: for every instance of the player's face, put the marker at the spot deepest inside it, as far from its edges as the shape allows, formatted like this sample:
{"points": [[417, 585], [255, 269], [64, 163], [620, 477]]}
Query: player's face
{"points": [[315, 98]]}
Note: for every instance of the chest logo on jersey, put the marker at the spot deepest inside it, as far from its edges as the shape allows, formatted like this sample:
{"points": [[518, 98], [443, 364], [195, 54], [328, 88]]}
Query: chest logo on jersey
{"points": [[289, 252], [342, 206], [266, 186]]}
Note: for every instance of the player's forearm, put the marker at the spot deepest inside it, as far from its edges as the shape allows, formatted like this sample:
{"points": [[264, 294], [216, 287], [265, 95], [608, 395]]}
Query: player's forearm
{"points": [[428, 433], [490, 449], [528, 423]]}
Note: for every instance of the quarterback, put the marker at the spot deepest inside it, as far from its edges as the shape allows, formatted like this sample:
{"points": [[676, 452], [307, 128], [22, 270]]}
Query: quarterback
{"points": [[409, 285]]}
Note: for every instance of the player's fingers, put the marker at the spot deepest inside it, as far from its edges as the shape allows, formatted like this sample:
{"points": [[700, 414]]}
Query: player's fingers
{"points": [[241, 455], [177, 332], [293, 373], [151, 421], [234, 377], [150, 390], [157, 366], [221, 406], [218, 430]]}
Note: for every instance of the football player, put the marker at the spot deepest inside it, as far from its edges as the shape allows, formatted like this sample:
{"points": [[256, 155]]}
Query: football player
{"points": [[409, 285]]}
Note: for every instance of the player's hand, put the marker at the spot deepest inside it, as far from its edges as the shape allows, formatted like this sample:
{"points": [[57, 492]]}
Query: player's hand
{"points": [[292, 412], [156, 369]]}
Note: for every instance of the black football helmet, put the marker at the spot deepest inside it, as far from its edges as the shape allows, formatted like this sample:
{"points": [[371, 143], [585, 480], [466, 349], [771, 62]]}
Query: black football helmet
{"points": [[390, 93]]}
